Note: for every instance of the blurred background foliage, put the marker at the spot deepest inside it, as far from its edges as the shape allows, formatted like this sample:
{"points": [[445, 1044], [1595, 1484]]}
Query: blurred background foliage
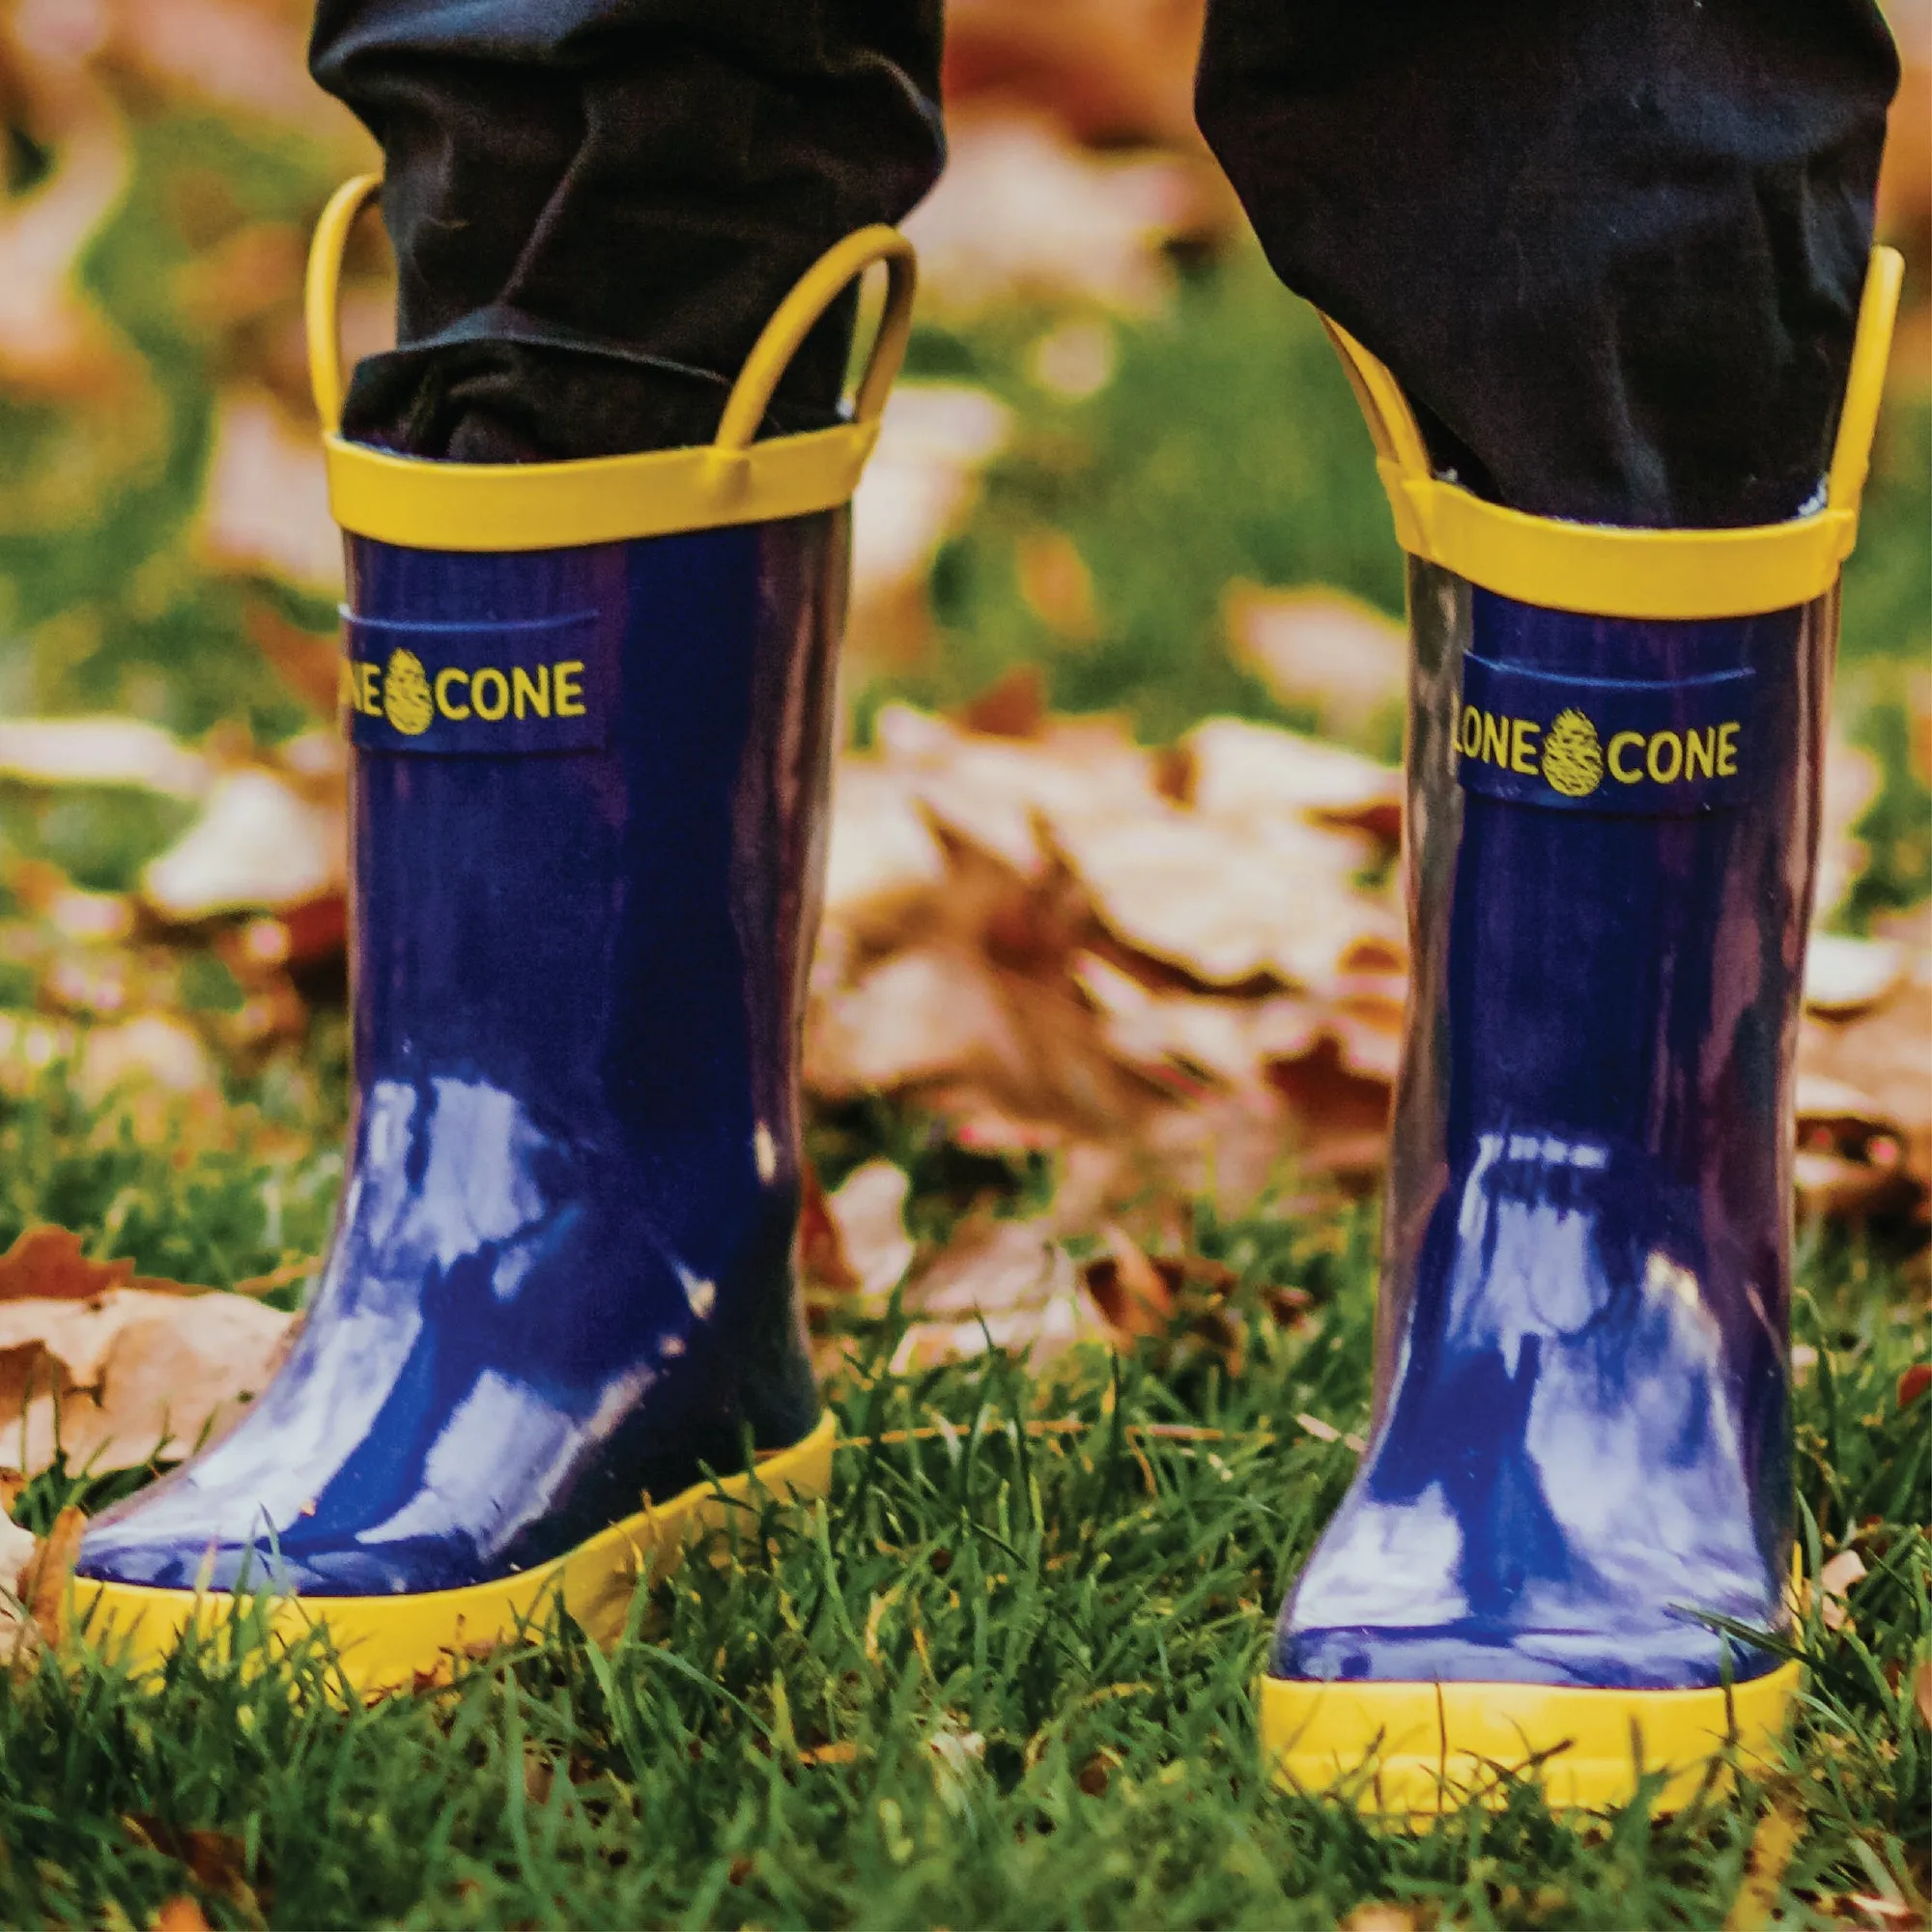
{"points": [[1174, 428], [1121, 453]]}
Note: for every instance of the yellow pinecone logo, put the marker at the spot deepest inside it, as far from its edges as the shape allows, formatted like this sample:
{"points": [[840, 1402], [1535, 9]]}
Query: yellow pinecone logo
{"points": [[405, 700], [1573, 760]]}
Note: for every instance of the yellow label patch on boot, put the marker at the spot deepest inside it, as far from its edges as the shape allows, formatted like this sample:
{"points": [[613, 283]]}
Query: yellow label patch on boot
{"points": [[480, 688], [1601, 744]]}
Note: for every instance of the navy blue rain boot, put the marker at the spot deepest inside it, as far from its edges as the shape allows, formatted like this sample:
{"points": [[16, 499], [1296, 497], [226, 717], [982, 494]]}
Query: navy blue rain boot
{"points": [[590, 705], [1580, 1455]]}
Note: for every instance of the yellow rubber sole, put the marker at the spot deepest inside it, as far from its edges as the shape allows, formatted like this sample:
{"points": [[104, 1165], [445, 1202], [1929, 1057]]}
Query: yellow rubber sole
{"points": [[389, 1644], [1423, 1748]]}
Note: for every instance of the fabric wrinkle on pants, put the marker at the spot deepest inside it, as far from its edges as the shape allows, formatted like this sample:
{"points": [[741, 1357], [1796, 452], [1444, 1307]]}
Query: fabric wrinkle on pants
{"points": [[1612, 248], [596, 205]]}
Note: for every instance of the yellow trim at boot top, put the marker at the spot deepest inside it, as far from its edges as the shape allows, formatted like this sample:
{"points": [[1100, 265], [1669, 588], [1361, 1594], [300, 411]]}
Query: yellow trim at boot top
{"points": [[386, 1642], [1606, 572], [519, 506]]}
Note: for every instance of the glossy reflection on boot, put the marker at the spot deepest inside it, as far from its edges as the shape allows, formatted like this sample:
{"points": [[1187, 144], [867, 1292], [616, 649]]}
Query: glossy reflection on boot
{"points": [[1581, 1433], [587, 798]]}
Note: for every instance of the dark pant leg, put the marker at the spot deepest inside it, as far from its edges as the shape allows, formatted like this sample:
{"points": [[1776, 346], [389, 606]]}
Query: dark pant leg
{"points": [[1611, 248], [597, 204]]}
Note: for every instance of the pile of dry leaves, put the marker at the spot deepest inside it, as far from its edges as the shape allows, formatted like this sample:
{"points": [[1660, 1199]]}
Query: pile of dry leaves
{"points": [[108, 1369], [1171, 971]]}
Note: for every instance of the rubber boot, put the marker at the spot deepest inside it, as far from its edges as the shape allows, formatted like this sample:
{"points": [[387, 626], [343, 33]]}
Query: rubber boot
{"points": [[590, 711], [1579, 1460]]}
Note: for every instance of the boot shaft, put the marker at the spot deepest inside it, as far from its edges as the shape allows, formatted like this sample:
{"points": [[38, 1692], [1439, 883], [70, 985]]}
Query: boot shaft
{"points": [[586, 805], [1579, 1460], [1582, 1327]]}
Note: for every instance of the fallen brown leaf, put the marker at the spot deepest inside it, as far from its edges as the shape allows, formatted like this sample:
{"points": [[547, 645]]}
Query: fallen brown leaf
{"points": [[991, 1268], [1845, 976], [1180, 1300], [259, 846], [1001, 1285], [841, 1751], [100, 750], [822, 1255], [57, 345], [1876, 1052], [1381, 1918], [1132, 1292], [1012, 706], [17, 1549], [1853, 781], [921, 1014], [54, 341], [1835, 1584], [867, 1211], [1239, 769], [265, 511], [20, 1635], [1023, 214], [1779, 1831], [217, 1861], [1232, 1040], [1321, 651], [127, 1369], [884, 863], [935, 439], [997, 792], [44, 1581], [1225, 901], [45, 1263]]}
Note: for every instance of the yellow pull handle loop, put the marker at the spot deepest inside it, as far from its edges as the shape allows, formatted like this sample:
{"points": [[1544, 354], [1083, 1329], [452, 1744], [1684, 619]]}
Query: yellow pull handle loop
{"points": [[1392, 424], [1864, 383], [320, 292], [751, 394], [815, 290]]}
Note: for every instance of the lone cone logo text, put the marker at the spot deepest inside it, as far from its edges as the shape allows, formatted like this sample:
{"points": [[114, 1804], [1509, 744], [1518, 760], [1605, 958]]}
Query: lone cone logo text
{"points": [[489, 688], [1573, 760], [404, 694]]}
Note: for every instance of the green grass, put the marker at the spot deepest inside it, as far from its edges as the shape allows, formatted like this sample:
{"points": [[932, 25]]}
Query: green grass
{"points": [[1002, 1678]]}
